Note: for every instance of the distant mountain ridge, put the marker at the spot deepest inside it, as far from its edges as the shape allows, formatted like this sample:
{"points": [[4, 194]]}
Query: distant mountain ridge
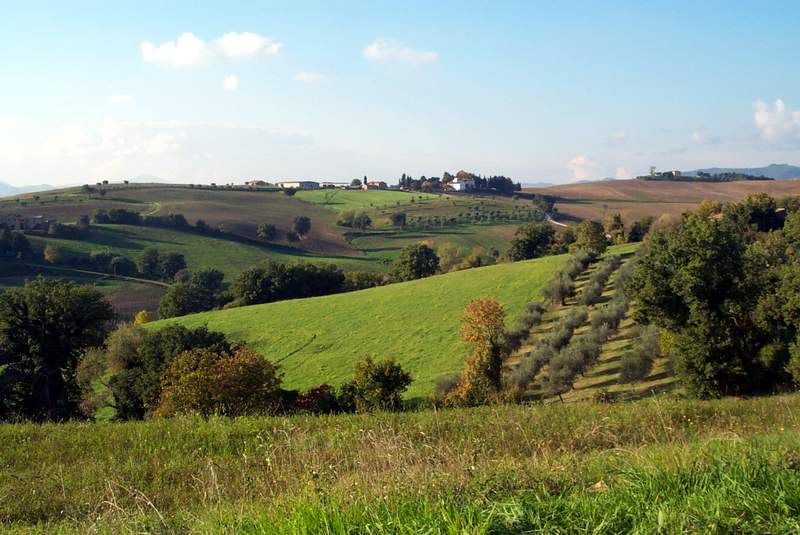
{"points": [[8, 190], [778, 171]]}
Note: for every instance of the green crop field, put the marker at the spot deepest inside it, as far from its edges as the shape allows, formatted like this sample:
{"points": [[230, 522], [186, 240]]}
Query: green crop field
{"points": [[661, 465], [342, 200], [386, 244], [317, 340]]}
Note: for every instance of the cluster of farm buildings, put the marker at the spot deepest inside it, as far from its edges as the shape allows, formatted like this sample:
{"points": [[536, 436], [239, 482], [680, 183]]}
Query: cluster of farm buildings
{"points": [[457, 184], [30, 223]]}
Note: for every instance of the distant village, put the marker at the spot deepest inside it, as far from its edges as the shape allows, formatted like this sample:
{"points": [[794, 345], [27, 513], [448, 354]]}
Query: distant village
{"points": [[455, 184]]}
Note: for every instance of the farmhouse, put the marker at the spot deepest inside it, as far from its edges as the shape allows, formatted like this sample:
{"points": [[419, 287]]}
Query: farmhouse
{"points": [[255, 183], [461, 184], [299, 184], [374, 184], [34, 223]]}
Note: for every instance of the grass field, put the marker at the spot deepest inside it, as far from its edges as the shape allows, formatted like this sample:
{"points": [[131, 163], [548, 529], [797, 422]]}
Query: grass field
{"points": [[317, 340], [358, 200], [386, 244], [661, 465], [230, 257], [637, 198]]}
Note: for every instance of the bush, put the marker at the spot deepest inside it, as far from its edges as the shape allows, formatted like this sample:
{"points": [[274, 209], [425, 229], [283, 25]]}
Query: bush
{"points": [[319, 400], [530, 366], [302, 225], [232, 383], [604, 396], [638, 363], [66, 232], [531, 241], [360, 280], [559, 288], [375, 386], [267, 232], [415, 262], [134, 360]]}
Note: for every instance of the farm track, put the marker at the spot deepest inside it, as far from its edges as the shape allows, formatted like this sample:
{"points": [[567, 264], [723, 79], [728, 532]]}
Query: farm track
{"points": [[100, 274]]}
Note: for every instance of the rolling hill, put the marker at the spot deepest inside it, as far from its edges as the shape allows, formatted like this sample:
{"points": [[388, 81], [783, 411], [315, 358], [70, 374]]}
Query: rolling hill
{"points": [[778, 171], [465, 221], [317, 340], [636, 198]]}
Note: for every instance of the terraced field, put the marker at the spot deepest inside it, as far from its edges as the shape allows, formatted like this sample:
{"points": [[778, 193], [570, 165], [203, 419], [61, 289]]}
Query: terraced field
{"points": [[604, 374]]}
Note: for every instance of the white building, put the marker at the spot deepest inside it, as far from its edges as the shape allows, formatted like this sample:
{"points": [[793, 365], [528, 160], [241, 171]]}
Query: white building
{"points": [[462, 184], [299, 184]]}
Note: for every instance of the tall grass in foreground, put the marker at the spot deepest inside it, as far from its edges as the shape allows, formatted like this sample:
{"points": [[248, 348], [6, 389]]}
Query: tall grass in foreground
{"points": [[660, 464]]}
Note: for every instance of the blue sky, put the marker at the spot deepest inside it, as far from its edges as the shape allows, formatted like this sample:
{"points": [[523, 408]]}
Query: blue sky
{"points": [[557, 91]]}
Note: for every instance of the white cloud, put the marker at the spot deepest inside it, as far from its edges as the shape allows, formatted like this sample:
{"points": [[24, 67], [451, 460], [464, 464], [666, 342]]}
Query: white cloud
{"points": [[312, 77], [106, 148], [619, 137], [121, 99], [189, 50], [582, 167], [776, 123], [231, 83], [246, 44], [390, 50], [13, 120], [161, 143], [622, 173]]}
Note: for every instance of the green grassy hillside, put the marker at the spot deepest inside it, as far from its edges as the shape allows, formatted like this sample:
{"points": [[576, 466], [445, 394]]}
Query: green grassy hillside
{"points": [[317, 340], [343, 200], [230, 257]]}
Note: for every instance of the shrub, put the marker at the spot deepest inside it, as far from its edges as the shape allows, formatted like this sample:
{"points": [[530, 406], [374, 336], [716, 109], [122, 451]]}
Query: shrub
{"points": [[318, 400], [142, 317], [267, 232], [530, 366], [134, 362], [637, 364], [605, 396], [531, 241], [360, 280], [231, 383], [375, 386], [302, 225], [415, 262], [559, 288]]}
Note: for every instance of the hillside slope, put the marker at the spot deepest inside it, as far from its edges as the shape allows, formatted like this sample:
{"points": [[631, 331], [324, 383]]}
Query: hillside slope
{"points": [[636, 198], [317, 340]]}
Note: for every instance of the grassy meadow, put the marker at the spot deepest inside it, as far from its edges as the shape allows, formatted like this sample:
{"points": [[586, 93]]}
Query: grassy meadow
{"points": [[200, 251], [317, 340], [661, 465], [342, 200]]}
